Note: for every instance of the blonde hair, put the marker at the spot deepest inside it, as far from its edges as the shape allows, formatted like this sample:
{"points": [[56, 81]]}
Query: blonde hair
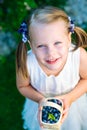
{"points": [[48, 15]]}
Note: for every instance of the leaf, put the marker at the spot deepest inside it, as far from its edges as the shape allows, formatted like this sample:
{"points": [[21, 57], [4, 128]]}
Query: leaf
{"points": [[51, 116]]}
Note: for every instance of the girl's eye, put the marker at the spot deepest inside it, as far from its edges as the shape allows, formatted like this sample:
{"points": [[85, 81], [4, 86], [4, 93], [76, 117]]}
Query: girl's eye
{"points": [[40, 46], [56, 43]]}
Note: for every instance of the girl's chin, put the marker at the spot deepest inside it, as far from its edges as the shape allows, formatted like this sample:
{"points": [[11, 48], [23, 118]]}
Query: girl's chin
{"points": [[56, 67], [53, 68]]}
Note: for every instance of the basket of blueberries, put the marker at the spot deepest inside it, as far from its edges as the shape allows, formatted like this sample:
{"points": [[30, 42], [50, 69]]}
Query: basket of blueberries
{"points": [[51, 112]]}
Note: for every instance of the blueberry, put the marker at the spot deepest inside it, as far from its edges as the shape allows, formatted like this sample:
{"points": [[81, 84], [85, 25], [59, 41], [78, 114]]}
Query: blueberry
{"points": [[55, 101], [50, 114]]}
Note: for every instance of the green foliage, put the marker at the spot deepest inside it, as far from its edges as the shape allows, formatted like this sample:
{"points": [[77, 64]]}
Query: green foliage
{"points": [[57, 3], [12, 13], [11, 103]]}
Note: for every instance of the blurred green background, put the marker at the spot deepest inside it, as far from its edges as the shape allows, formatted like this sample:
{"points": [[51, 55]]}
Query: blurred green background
{"points": [[12, 13]]}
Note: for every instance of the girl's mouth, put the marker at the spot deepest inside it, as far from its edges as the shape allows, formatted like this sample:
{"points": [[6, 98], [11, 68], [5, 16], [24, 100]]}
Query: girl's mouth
{"points": [[52, 61]]}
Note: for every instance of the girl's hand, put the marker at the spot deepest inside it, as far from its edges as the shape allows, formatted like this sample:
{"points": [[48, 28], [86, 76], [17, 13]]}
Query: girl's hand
{"points": [[39, 109], [66, 105]]}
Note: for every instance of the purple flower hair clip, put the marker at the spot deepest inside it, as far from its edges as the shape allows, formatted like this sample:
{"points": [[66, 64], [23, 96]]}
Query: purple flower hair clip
{"points": [[24, 31], [72, 25]]}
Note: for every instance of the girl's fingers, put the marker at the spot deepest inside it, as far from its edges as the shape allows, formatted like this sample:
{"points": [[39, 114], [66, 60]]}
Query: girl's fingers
{"points": [[64, 116], [66, 110], [39, 109]]}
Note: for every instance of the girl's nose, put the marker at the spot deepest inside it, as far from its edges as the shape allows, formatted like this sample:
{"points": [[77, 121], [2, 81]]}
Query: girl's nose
{"points": [[51, 51]]}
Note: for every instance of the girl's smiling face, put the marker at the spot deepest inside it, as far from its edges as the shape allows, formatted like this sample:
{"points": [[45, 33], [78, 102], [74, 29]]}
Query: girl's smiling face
{"points": [[50, 44]]}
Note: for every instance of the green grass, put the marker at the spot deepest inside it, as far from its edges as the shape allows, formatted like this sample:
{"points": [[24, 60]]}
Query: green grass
{"points": [[11, 102]]}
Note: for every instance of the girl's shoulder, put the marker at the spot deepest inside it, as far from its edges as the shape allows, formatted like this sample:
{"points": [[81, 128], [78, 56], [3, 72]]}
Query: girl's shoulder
{"points": [[80, 50], [72, 48], [74, 53], [31, 59], [83, 63], [30, 55]]}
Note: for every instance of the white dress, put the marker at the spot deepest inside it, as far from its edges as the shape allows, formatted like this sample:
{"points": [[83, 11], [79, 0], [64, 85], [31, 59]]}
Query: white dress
{"points": [[51, 86]]}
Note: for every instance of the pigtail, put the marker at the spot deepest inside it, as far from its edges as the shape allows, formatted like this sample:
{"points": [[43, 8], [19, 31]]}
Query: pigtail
{"points": [[21, 53], [80, 37], [21, 56]]}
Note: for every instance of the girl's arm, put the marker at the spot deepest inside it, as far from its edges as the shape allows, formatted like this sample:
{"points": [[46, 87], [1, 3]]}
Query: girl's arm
{"points": [[80, 88], [27, 90]]}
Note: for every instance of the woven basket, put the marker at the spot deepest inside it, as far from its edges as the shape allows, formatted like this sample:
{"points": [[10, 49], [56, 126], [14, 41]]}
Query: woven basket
{"points": [[51, 113]]}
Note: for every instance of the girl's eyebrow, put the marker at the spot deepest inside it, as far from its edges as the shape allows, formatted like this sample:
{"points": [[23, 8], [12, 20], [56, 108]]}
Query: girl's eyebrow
{"points": [[41, 43], [45, 43]]}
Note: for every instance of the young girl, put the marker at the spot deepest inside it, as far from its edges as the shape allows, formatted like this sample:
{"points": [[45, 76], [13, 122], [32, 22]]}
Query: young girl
{"points": [[54, 67]]}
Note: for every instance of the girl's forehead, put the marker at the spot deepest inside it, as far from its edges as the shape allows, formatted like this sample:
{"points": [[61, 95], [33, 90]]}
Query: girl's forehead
{"points": [[60, 24], [48, 32]]}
